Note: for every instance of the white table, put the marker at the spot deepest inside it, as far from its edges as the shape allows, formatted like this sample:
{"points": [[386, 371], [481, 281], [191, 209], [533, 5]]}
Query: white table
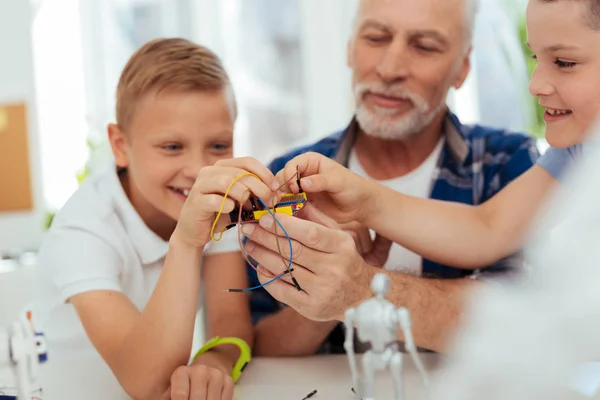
{"points": [[294, 378]]}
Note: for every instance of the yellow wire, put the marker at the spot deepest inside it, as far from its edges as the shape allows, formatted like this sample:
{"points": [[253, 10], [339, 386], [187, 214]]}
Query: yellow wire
{"points": [[212, 230]]}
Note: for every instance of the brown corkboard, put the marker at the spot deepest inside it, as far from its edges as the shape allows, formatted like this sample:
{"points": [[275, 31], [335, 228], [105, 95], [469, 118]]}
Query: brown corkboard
{"points": [[15, 171]]}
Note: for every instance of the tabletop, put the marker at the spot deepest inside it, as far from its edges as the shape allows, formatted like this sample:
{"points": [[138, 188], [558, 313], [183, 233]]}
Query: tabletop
{"points": [[295, 378]]}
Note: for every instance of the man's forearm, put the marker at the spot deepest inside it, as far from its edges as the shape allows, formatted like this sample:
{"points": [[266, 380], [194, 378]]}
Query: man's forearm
{"points": [[435, 306], [288, 333]]}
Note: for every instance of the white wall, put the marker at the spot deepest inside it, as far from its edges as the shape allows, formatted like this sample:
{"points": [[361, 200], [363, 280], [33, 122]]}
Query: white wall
{"points": [[327, 78], [20, 230]]}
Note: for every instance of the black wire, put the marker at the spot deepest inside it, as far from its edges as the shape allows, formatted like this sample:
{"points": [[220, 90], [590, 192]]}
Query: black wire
{"points": [[298, 179], [353, 391]]}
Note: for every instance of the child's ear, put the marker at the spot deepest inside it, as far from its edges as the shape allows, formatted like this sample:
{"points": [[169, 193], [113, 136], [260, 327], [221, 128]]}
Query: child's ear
{"points": [[118, 144]]}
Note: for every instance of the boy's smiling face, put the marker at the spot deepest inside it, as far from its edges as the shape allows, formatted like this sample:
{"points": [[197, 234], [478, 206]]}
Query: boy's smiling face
{"points": [[172, 135], [567, 78]]}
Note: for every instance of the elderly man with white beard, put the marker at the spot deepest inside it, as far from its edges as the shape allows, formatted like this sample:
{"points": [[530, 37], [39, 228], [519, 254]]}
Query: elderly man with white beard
{"points": [[405, 55]]}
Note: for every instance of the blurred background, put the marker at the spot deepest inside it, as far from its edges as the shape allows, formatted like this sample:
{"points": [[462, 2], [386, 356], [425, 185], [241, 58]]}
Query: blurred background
{"points": [[61, 61]]}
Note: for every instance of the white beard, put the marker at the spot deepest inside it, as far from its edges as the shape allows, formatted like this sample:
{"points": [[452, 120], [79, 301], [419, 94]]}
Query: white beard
{"points": [[383, 123]]}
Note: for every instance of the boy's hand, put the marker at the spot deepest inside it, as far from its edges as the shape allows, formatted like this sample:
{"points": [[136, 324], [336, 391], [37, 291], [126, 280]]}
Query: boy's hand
{"points": [[205, 198], [205, 379], [375, 251], [334, 189]]}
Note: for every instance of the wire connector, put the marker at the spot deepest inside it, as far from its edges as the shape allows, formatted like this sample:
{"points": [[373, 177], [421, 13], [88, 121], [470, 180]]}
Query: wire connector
{"points": [[296, 284], [298, 180]]}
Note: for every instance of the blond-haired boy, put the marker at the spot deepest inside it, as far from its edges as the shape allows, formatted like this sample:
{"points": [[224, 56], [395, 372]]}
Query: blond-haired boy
{"points": [[122, 264]]}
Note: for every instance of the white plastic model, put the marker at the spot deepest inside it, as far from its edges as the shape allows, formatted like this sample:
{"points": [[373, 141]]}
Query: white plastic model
{"points": [[22, 349], [377, 322]]}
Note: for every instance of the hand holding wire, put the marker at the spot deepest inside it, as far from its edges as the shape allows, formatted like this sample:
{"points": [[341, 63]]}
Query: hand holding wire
{"points": [[239, 220], [333, 188], [207, 198], [325, 262]]}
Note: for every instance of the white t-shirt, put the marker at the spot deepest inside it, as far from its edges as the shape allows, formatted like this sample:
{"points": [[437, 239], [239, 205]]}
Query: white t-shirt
{"points": [[97, 242], [417, 183]]}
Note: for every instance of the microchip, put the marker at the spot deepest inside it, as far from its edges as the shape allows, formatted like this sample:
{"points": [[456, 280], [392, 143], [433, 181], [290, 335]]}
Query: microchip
{"points": [[289, 204]]}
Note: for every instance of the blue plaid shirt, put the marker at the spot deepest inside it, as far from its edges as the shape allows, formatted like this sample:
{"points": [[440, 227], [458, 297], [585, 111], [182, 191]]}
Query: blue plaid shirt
{"points": [[475, 163]]}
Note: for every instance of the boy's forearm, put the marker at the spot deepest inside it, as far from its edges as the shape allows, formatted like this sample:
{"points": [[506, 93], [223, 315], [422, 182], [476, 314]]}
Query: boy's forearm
{"points": [[237, 325], [462, 235], [288, 333], [164, 329]]}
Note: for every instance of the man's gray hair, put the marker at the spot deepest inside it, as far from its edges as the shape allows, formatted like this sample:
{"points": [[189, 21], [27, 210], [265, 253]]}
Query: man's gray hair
{"points": [[471, 7]]}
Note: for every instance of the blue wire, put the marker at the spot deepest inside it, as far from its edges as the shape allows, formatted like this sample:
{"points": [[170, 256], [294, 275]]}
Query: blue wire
{"points": [[290, 243], [282, 228], [264, 284]]}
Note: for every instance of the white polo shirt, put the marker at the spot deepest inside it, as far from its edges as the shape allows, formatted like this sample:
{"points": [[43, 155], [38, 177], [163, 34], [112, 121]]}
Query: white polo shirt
{"points": [[97, 241]]}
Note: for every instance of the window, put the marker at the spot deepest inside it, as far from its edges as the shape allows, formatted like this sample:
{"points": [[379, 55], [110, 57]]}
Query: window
{"points": [[77, 66], [60, 97], [263, 55], [286, 59]]}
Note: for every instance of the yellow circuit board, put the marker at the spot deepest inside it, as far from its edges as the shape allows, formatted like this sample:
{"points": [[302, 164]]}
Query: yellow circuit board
{"points": [[289, 204]]}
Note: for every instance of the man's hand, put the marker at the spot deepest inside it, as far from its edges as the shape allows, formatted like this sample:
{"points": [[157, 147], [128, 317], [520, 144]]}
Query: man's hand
{"points": [[205, 379], [334, 189], [331, 273], [374, 251]]}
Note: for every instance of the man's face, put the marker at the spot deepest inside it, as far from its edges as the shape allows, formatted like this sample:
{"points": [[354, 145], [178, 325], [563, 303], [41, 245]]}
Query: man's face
{"points": [[405, 55]]}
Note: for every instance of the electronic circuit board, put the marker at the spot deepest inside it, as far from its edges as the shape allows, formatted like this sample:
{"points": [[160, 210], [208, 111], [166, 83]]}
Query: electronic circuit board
{"points": [[289, 204]]}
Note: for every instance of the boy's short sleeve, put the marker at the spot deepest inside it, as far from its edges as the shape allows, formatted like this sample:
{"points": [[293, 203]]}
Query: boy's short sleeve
{"points": [[228, 243], [557, 161], [76, 261]]}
